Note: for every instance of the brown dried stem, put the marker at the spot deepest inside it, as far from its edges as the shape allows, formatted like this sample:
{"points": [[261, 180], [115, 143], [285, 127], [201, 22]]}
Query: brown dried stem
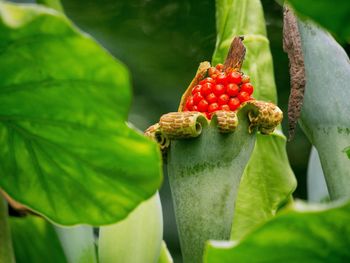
{"points": [[292, 46]]}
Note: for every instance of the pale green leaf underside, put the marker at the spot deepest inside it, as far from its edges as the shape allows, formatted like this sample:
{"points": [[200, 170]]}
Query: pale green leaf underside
{"points": [[65, 149], [35, 240], [306, 233], [268, 180]]}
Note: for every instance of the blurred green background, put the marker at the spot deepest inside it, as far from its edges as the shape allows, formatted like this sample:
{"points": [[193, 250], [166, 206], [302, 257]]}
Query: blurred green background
{"points": [[162, 42]]}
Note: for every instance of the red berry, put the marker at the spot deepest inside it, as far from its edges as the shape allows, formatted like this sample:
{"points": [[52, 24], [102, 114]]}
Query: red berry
{"points": [[245, 78], [247, 87], [221, 79], [243, 96], [196, 89], [234, 77], [232, 89], [223, 99], [219, 89], [213, 107], [195, 108], [207, 89], [211, 98], [214, 76], [197, 97], [233, 103], [219, 67], [207, 80], [203, 105], [189, 103], [224, 107], [208, 115]]}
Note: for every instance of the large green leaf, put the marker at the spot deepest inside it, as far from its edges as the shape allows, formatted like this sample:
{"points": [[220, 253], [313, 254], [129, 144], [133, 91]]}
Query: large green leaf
{"points": [[306, 233], [333, 15], [65, 149], [268, 180], [325, 115], [35, 240]]}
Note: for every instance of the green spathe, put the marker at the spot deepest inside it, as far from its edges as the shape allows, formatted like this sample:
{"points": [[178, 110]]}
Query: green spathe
{"points": [[325, 116], [137, 238], [65, 149], [204, 174], [268, 179]]}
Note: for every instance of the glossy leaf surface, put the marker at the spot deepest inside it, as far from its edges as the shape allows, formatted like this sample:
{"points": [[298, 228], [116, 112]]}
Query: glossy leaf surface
{"points": [[304, 233], [65, 149]]}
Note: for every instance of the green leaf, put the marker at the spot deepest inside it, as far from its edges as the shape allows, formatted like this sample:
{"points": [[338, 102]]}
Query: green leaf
{"points": [[332, 15], [136, 239], [35, 240], [165, 256], [78, 243], [267, 184], [325, 116], [304, 233], [268, 180], [65, 149], [6, 248]]}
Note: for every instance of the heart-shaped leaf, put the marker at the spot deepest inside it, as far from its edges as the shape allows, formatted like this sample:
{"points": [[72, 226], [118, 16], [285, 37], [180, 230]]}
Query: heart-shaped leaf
{"points": [[65, 149], [304, 233]]}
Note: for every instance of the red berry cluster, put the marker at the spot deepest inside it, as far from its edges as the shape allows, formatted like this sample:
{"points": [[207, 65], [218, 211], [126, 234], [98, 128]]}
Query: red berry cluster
{"points": [[221, 90]]}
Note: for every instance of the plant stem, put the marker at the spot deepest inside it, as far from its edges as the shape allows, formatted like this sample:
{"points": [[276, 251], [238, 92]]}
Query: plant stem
{"points": [[55, 4], [6, 250]]}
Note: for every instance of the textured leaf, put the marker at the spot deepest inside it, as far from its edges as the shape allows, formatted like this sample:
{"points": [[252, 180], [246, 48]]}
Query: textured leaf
{"points": [[306, 233], [136, 239], [35, 240], [268, 178], [325, 115], [65, 149], [333, 15]]}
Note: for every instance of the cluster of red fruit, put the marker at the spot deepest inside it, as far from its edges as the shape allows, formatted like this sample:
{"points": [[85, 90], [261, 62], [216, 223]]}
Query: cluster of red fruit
{"points": [[221, 90]]}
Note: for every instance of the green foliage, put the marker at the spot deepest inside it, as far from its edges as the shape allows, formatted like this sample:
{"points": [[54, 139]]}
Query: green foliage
{"points": [[333, 15], [325, 117], [162, 43], [35, 240], [303, 233], [6, 249], [137, 238], [65, 149], [268, 180]]}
